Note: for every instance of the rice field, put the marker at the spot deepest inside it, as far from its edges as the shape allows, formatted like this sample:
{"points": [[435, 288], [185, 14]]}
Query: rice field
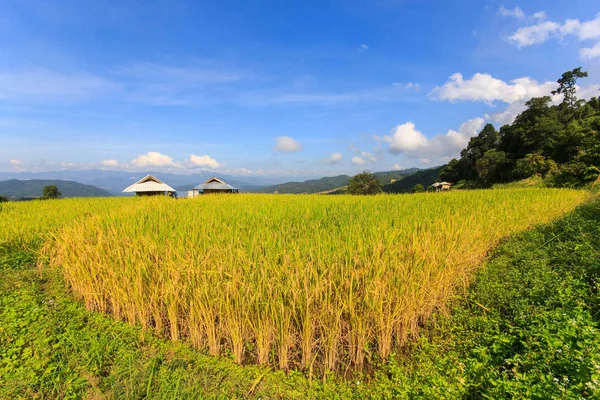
{"points": [[292, 281]]}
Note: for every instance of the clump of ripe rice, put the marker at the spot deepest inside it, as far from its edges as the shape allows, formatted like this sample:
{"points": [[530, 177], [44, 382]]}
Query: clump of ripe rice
{"points": [[291, 280]]}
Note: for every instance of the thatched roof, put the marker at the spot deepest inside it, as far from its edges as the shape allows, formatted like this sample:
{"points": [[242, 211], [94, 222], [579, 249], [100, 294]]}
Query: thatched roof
{"points": [[214, 183], [149, 184]]}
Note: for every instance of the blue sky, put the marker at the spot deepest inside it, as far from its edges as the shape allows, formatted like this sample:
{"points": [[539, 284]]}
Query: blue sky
{"points": [[274, 88]]}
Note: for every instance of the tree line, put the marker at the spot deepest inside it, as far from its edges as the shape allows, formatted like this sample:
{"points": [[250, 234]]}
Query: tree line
{"points": [[560, 143]]}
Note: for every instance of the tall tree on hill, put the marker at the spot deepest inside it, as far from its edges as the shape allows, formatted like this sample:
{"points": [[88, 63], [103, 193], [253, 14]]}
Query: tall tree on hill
{"points": [[567, 87], [364, 183]]}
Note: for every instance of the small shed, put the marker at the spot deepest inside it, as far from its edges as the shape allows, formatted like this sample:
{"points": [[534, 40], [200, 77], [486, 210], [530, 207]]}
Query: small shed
{"points": [[150, 186], [213, 185], [441, 186]]}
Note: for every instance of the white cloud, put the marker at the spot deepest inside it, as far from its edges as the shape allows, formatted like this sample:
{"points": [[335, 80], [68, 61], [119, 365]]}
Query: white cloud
{"points": [[111, 163], [204, 161], [484, 87], [153, 159], [334, 158], [286, 144], [544, 30], [408, 140], [409, 85], [67, 164], [363, 47], [459, 139], [405, 138], [516, 12], [371, 158], [533, 34], [588, 92], [508, 115], [540, 15], [357, 160], [587, 53], [16, 163]]}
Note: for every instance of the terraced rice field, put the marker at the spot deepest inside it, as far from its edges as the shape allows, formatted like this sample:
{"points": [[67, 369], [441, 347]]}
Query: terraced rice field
{"points": [[286, 280]]}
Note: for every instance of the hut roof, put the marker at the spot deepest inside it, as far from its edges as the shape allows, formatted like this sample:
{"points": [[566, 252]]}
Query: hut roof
{"points": [[441, 184], [149, 184], [214, 183]]}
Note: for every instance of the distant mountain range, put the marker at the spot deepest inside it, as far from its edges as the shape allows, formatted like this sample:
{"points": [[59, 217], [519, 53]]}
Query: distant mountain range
{"points": [[105, 183], [115, 181], [16, 189]]}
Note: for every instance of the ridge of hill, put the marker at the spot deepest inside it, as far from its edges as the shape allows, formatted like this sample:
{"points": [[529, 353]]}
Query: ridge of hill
{"points": [[425, 177], [16, 189], [330, 183]]}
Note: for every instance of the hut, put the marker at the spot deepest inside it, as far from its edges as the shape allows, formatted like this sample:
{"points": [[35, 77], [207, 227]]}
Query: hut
{"points": [[150, 186], [213, 185], [441, 186]]}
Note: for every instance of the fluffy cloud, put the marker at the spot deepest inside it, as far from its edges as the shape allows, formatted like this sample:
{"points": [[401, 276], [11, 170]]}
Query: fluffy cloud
{"points": [[405, 138], [153, 159], [484, 87], [544, 30], [204, 161], [517, 12], [286, 144], [111, 163], [587, 53], [334, 158], [356, 160], [16, 163], [533, 34]]}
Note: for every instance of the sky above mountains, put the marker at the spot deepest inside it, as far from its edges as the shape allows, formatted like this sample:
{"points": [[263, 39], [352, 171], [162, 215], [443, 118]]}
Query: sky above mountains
{"points": [[275, 88]]}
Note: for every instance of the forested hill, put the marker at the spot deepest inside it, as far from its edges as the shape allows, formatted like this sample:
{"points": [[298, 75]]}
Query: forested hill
{"points": [[17, 189], [331, 183], [424, 177], [560, 143]]}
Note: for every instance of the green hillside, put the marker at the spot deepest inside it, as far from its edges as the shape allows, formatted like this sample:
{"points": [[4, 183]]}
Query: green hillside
{"points": [[330, 183], [425, 177], [16, 189]]}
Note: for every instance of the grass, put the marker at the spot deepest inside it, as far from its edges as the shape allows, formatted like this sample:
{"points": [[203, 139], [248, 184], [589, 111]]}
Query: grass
{"points": [[532, 181], [297, 282], [527, 327]]}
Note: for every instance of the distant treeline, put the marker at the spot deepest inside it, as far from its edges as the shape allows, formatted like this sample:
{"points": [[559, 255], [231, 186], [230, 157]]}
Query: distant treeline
{"points": [[560, 143]]}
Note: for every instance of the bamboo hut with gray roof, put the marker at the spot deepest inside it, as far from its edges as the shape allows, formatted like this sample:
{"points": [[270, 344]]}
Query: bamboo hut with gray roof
{"points": [[213, 185], [150, 186]]}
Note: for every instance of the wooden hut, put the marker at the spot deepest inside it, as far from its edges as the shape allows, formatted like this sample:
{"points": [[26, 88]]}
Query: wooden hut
{"points": [[441, 186], [150, 186], [213, 185]]}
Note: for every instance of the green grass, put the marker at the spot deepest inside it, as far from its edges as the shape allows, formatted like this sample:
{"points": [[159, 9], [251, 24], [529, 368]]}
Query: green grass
{"points": [[526, 328]]}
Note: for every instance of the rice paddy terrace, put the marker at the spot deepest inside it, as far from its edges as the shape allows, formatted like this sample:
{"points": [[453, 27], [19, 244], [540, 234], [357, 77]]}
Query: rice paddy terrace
{"points": [[289, 281]]}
